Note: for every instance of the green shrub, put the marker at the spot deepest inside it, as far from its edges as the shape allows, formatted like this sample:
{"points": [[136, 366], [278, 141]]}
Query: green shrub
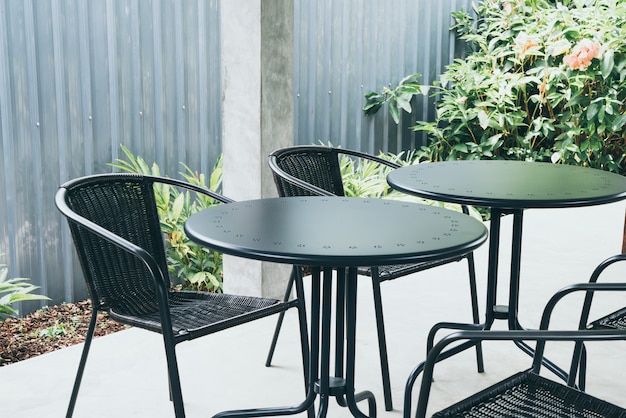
{"points": [[195, 266], [13, 291], [543, 81]]}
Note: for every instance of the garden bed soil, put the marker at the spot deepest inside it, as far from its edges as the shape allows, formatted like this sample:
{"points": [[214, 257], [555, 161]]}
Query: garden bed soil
{"points": [[50, 329]]}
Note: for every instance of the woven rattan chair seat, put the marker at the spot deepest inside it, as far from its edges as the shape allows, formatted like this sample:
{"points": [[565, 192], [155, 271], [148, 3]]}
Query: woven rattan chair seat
{"points": [[400, 270], [616, 320], [198, 313], [529, 395]]}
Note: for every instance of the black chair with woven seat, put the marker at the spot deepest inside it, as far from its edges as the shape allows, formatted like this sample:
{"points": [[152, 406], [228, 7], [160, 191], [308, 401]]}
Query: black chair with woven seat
{"points": [[527, 393], [615, 320], [115, 225], [316, 171]]}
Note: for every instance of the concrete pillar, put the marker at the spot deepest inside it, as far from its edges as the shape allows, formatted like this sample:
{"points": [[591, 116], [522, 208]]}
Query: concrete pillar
{"points": [[258, 113]]}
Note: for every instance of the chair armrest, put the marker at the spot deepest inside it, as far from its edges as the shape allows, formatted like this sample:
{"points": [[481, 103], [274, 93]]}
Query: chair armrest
{"points": [[369, 157], [189, 186], [540, 336], [589, 288], [604, 264]]}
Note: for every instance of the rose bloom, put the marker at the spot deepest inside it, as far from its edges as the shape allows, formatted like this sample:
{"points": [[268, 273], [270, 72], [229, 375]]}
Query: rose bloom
{"points": [[582, 54]]}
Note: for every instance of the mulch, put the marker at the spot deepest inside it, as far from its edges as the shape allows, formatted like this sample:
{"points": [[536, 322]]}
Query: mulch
{"points": [[50, 329]]}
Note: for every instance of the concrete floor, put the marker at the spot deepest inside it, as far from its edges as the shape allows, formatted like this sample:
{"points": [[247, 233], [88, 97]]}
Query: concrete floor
{"points": [[126, 375]]}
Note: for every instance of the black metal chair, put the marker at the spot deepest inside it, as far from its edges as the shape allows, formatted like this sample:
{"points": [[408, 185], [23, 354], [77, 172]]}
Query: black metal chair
{"points": [[613, 321], [525, 394], [315, 170], [617, 319], [116, 231]]}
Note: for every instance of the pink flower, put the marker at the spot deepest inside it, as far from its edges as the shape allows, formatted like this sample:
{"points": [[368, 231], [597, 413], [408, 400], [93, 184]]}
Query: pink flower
{"points": [[582, 54], [524, 43]]}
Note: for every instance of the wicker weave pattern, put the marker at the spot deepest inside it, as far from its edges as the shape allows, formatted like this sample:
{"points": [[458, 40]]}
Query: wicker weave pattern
{"points": [[616, 320], [399, 270], [195, 313], [116, 279], [529, 395], [318, 168]]}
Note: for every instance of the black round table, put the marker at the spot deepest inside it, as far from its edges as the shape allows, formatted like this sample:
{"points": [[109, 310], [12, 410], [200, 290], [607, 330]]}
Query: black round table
{"points": [[333, 233], [508, 187]]}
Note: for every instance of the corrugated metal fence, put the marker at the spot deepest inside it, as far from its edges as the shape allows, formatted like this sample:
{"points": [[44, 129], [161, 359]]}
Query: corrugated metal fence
{"points": [[79, 78], [345, 49]]}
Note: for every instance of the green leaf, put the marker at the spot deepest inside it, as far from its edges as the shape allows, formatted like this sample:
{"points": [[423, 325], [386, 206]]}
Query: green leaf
{"points": [[372, 108], [592, 110], [177, 207], [483, 119], [461, 147], [404, 101], [608, 62], [393, 111], [618, 123]]}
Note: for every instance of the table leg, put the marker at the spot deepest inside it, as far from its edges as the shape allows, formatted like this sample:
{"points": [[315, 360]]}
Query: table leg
{"points": [[516, 255], [492, 310], [323, 387], [351, 397], [313, 369], [320, 382]]}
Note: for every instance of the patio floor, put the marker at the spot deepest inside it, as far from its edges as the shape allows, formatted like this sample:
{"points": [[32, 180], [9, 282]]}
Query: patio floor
{"points": [[126, 376]]}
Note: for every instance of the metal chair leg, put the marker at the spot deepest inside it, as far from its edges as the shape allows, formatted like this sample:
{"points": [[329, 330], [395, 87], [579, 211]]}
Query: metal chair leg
{"points": [[382, 340], [81, 364], [176, 394], [475, 314], [295, 273]]}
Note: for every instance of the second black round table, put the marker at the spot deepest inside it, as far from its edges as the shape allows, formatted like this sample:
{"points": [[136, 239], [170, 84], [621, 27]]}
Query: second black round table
{"points": [[508, 187]]}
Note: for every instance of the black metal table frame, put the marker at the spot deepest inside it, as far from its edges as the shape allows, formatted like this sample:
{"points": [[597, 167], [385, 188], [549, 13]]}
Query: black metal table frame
{"points": [[323, 384], [319, 381], [493, 311]]}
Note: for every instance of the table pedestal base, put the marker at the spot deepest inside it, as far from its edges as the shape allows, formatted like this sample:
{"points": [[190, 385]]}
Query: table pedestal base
{"points": [[319, 382]]}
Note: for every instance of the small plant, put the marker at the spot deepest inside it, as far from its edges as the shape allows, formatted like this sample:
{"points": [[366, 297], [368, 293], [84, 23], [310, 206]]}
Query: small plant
{"points": [[55, 331], [14, 290], [195, 266], [397, 98]]}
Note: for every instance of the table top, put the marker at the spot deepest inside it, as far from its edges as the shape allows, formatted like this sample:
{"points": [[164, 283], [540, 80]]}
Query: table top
{"points": [[509, 184], [335, 231]]}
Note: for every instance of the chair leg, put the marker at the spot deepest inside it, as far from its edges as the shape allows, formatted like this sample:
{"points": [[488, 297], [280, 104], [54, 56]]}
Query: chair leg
{"points": [[382, 340], [176, 394], [295, 272], [83, 361], [475, 314]]}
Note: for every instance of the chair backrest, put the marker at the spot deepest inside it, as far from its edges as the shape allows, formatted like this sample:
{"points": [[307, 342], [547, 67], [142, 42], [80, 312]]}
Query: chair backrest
{"points": [[116, 230], [314, 165]]}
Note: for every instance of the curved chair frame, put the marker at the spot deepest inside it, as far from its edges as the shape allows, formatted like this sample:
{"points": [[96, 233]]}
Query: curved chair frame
{"points": [[525, 394], [116, 230]]}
